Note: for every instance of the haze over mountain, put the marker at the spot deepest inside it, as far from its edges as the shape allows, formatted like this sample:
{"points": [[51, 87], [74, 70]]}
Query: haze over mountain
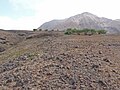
{"points": [[84, 20]]}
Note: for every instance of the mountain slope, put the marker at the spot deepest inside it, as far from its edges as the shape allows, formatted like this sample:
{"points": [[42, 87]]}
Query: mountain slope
{"points": [[84, 20]]}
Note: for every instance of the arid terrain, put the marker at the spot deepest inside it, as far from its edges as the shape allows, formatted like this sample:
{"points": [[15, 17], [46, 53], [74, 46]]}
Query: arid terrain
{"points": [[49, 60]]}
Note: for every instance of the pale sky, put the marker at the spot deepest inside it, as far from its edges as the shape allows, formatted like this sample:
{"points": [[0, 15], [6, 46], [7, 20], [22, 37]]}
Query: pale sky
{"points": [[29, 14]]}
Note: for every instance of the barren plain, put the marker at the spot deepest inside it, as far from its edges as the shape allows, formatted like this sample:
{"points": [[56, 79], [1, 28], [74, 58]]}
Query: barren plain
{"points": [[54, 61]]}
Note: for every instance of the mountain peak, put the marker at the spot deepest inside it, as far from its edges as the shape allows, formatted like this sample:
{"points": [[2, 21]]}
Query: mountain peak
{"points": [[86, 13]]}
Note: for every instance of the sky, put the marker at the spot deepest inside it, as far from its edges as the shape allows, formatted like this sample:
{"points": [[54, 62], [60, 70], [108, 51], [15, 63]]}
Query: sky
{"points": [[30, 14]]}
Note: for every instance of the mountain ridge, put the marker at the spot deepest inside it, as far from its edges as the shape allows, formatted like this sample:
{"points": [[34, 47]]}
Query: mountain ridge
{"points": [[81, 21]]}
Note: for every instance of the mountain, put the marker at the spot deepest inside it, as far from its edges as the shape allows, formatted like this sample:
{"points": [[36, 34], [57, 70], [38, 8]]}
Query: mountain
{"points": [[84, 20]]}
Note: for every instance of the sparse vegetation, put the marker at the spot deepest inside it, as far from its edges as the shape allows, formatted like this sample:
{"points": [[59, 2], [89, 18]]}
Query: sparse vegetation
{"points": [[86, 31], [101, 32], [69, 31]]}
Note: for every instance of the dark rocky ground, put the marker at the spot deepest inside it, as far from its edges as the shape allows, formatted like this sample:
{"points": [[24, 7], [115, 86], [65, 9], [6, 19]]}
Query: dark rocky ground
{"points": [[53, 61]]}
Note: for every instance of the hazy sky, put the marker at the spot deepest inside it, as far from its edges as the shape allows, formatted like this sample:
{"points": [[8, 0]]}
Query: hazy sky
{"points": [[29, 14]]}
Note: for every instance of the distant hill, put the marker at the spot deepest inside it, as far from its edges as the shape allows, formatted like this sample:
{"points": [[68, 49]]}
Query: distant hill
{"points": [[84, 20]]}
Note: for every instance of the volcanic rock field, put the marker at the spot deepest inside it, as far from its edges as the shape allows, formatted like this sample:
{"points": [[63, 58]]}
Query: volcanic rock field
{"points": [[49, 60]]}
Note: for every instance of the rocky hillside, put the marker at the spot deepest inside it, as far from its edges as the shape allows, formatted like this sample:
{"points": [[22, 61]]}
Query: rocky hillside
{"points": [[54, 61], [10, 39], [84, 20], [7, 39]]}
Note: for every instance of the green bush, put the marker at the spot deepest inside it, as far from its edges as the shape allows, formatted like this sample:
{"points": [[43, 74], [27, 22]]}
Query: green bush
{"points": [[70, 31], [67, 33], [85, 31], [101, 32]]}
